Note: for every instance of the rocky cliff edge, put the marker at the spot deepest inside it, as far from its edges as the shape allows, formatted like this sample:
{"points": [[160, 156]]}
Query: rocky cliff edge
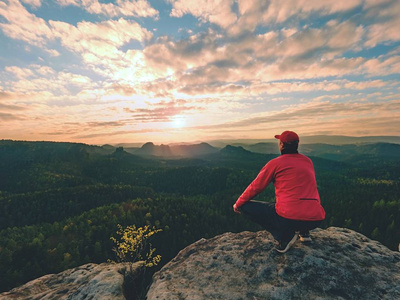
{"points": [[338, 264], [91, 281]]}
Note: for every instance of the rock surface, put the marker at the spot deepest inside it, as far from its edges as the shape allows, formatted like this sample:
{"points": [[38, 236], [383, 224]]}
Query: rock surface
{"points": [[338, 264], [89, 281]]}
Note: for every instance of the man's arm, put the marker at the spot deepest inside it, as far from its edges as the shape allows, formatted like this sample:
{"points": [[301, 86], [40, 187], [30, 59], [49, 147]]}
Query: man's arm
{"points": [[262, 180]]}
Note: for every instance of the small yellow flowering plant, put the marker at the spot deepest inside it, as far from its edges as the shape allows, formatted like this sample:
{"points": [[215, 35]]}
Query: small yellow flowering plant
{"points": [[133, 245]]}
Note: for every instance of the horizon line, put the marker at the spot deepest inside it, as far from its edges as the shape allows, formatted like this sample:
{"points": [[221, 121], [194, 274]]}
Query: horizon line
{"points": [[208, 141]]}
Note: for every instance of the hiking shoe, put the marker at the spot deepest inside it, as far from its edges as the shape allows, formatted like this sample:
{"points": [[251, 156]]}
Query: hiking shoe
{"points": [[283, 247], [305, 237]]}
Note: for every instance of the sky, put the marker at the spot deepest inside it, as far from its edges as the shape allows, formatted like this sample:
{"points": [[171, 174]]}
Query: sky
{"points": [[168, 71]]}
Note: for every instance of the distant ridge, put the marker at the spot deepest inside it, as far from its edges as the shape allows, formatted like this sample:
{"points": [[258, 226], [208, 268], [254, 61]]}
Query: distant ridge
{"points": [[175, 150], [239, 150], [313, 139], [340, 139], [329, 147], [334, 152]]}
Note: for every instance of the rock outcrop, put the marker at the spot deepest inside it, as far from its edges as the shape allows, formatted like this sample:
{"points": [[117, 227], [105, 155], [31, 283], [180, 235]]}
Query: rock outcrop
{"points": [[91, 281], [338, 264]]}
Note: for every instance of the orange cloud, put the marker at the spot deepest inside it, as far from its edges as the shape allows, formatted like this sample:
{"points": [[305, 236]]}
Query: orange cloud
{"points": [[334, 118], [9, 117], [138, 8], [213, 11], [23, 25], [99, 41], [386, 16], [162, 111]]}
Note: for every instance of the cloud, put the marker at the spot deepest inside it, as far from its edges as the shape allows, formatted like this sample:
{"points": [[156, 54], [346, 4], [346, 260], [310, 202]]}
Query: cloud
{"points": [[324, 85], [99, 43], [251, 64], [11, 107], [386, 29], [316, 42], [104, 124], [208, 62], [281, 10], [23, 25], [121, 89], [18, 72], [252, 13], [355, 126], [45, 80], [255, 13], [258, 78], [310, 117], [213, 11], [5, 95], [382, 66], [205, 60], [123, 134], [366, 84], [375, 3], [129, 8], [166, 55], [33, 3], [9, 117], [52, 52], [161, 112]]}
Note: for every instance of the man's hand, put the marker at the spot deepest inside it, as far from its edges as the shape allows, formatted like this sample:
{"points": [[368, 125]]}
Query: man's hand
{"points": [[235, 209]]}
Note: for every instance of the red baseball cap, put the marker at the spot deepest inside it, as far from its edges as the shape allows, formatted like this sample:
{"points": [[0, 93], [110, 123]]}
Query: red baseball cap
{"points": [[287, 136]]}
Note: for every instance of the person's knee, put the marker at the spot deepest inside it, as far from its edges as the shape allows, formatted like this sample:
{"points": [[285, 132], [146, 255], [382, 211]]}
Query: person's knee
{"points": [[248, 208]]}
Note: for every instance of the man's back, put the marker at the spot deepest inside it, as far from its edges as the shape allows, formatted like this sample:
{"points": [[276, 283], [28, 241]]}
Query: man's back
{"points": [[296, 188]]}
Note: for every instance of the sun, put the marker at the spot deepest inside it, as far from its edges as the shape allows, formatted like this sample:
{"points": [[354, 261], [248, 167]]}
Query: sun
{"points": [[178, 121]]}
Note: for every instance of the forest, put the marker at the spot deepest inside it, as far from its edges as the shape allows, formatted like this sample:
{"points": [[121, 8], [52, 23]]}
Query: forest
{"points": [[61, 202]]}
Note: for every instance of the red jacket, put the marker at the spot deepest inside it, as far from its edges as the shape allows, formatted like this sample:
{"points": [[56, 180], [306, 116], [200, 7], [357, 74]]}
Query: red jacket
{"points": [[296, 191]]}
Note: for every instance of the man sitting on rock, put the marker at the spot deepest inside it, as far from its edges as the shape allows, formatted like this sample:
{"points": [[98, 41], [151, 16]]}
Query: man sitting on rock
{"points": [[298, 208]]}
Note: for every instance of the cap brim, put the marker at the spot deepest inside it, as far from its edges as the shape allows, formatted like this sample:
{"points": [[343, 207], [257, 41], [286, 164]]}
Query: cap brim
{"points": [[278, 136]]}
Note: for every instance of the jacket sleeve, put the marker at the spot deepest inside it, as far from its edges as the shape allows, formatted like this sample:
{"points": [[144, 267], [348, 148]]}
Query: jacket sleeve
{"points": [[262, 180]]}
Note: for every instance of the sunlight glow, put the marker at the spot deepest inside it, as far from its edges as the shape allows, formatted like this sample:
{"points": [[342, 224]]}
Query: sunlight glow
{"points": [[178, 121]]}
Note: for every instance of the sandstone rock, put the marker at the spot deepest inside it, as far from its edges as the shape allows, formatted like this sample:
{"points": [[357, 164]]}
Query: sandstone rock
{"points": [[338, 264], [89, 281]]}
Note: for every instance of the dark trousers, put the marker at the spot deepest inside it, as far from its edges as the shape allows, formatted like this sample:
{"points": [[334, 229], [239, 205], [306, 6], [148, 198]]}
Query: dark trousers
{"points": [[264, 214]]}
